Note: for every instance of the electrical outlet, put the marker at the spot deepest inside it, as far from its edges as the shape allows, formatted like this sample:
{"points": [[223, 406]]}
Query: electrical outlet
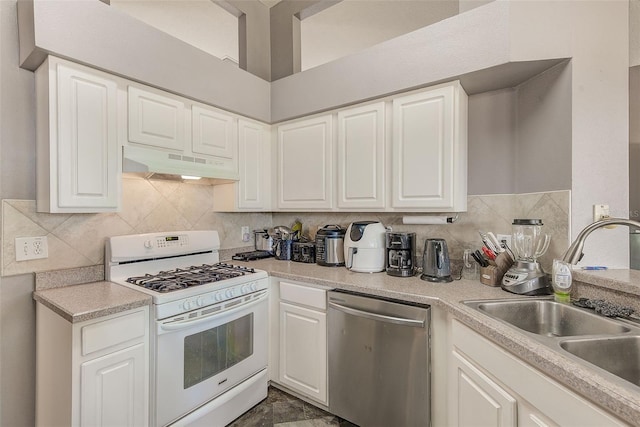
{"points": [[31, 248], [244, 233], [505, 237], [600, 212]]}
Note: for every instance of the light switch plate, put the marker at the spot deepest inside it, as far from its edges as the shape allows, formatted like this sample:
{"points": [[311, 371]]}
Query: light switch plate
{"points": [[31, 248]]}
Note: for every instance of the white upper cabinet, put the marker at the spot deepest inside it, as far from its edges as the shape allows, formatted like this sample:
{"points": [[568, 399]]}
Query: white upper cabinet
{"points": [[429, 168], [305, 149], [253, 191], [185, 136], [361, 157], [78, 159], [156, 119], [213, 132]]}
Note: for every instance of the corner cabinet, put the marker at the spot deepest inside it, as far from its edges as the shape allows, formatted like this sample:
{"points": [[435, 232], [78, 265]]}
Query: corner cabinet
{"points": [[429, 169], [92, 373], [253, 191], [305, 164], [78, 158], [490, 387]]}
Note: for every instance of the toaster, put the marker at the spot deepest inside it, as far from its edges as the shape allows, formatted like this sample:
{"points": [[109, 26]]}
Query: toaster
{"points": [[303, 252]]}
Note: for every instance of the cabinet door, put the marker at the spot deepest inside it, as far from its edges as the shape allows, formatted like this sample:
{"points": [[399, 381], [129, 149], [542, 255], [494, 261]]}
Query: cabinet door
{"points": [[113, 389], [87, 160], [303, 351], [213, 133], [255, 166], [425, 171], [155, 119], [478, 400], [304, 164], [361, 163]]}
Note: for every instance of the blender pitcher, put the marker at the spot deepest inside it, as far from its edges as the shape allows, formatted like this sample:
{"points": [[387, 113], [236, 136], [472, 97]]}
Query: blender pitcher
{"points": [[528, 240], [529, 243]]}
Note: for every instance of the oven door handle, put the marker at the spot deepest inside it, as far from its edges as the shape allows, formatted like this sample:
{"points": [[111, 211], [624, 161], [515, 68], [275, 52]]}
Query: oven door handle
{"points": [[184, 324]]}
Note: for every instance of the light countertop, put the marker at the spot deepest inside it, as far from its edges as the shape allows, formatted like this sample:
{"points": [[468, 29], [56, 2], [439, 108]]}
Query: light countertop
{"points": [[622, 401], [78, 303], [83, 302]]}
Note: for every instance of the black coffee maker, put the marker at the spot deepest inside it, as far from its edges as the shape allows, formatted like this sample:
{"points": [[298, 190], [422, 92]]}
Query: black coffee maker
{"points": [[401, 252]]}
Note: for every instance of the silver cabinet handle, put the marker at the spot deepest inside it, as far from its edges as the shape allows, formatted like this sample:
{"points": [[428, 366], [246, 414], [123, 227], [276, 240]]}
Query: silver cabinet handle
{"points": [[380, 317]]}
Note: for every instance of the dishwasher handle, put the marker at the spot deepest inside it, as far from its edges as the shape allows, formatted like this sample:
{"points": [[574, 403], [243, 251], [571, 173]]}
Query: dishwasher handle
{"points": [[379, 317]]}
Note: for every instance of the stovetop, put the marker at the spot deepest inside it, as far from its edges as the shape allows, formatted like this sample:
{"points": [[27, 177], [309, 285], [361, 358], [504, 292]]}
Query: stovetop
{"points": [[185, 277]]}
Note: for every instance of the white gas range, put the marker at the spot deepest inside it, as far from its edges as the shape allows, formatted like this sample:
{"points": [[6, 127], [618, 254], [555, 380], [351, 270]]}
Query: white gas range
{"points": [[209, 353]]}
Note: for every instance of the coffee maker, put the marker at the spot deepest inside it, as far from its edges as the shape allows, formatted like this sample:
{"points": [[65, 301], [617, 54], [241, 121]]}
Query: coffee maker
{"points": [[401, 250]]}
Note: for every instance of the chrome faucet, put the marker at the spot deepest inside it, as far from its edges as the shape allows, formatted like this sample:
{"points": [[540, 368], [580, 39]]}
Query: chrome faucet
{"points": [[574, 253]]}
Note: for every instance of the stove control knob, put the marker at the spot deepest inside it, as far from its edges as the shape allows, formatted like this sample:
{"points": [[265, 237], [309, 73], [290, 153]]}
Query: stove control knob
{"points": [[217, 296], [187, 305], [200, 301], [244, 289], [148, 244], [229, 293]]}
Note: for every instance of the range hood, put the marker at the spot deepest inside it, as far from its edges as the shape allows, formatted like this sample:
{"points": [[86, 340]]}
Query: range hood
{"points": [[153, 163]]}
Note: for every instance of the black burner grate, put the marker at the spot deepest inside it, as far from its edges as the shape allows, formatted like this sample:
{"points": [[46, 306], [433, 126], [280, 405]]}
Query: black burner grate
{"points": [[196, 275]]}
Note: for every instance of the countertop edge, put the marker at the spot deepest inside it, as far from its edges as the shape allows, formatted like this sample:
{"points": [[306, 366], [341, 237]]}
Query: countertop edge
{"points": [[64, 300]]}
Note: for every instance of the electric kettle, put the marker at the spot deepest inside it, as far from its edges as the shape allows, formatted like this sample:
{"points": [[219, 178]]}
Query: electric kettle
{"points": [[435, 261]]}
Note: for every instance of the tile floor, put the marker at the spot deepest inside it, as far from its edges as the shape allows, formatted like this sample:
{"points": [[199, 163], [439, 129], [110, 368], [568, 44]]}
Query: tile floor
{"points": [[280, 409]]}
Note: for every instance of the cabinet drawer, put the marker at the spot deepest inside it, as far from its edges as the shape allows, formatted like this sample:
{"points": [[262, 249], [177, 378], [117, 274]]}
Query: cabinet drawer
{"points": [[101, 335], [305, 295]]}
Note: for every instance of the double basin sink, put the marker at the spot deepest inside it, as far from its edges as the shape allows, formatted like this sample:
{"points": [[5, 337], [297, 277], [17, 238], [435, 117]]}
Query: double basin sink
{"points": [[610, 344]]}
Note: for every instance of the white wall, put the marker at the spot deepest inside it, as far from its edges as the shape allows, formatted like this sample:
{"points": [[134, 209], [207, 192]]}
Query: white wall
{"points": [[201, 23], [351, 26], [492, 133], [634, 33], [17, 180], [542, 160], [600, 124]]}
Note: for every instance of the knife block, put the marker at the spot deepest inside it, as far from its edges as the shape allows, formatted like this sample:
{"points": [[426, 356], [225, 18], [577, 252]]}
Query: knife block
{"points": [[492, 275]]}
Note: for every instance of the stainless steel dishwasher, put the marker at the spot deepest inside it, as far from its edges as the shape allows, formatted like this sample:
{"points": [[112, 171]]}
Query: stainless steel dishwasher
{"points": [[379, 361]]}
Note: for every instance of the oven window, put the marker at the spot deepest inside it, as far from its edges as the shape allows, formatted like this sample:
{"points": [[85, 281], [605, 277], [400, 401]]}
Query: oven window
{"points": [[210, 352]]}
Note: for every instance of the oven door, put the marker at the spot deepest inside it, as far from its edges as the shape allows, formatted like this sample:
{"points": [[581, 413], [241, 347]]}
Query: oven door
{"points": [[199, 356]]}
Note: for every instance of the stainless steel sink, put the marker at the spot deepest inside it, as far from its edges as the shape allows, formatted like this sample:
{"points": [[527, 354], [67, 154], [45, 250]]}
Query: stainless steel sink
{"points": [[618, 355], [548, 318], [612, 345]]}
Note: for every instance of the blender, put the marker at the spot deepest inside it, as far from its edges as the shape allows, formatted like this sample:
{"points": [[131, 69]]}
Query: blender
{"points": [[528, 244]]}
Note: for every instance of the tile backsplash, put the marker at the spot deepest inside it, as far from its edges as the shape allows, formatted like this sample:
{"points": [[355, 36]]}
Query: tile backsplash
{"points": [[487, 213], [77, 240]]}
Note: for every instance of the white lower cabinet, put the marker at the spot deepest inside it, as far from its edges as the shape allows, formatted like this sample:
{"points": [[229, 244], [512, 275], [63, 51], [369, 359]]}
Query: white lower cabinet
{"points": [[302, 356], [490, 387], [92, 373], [480, 401]]}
